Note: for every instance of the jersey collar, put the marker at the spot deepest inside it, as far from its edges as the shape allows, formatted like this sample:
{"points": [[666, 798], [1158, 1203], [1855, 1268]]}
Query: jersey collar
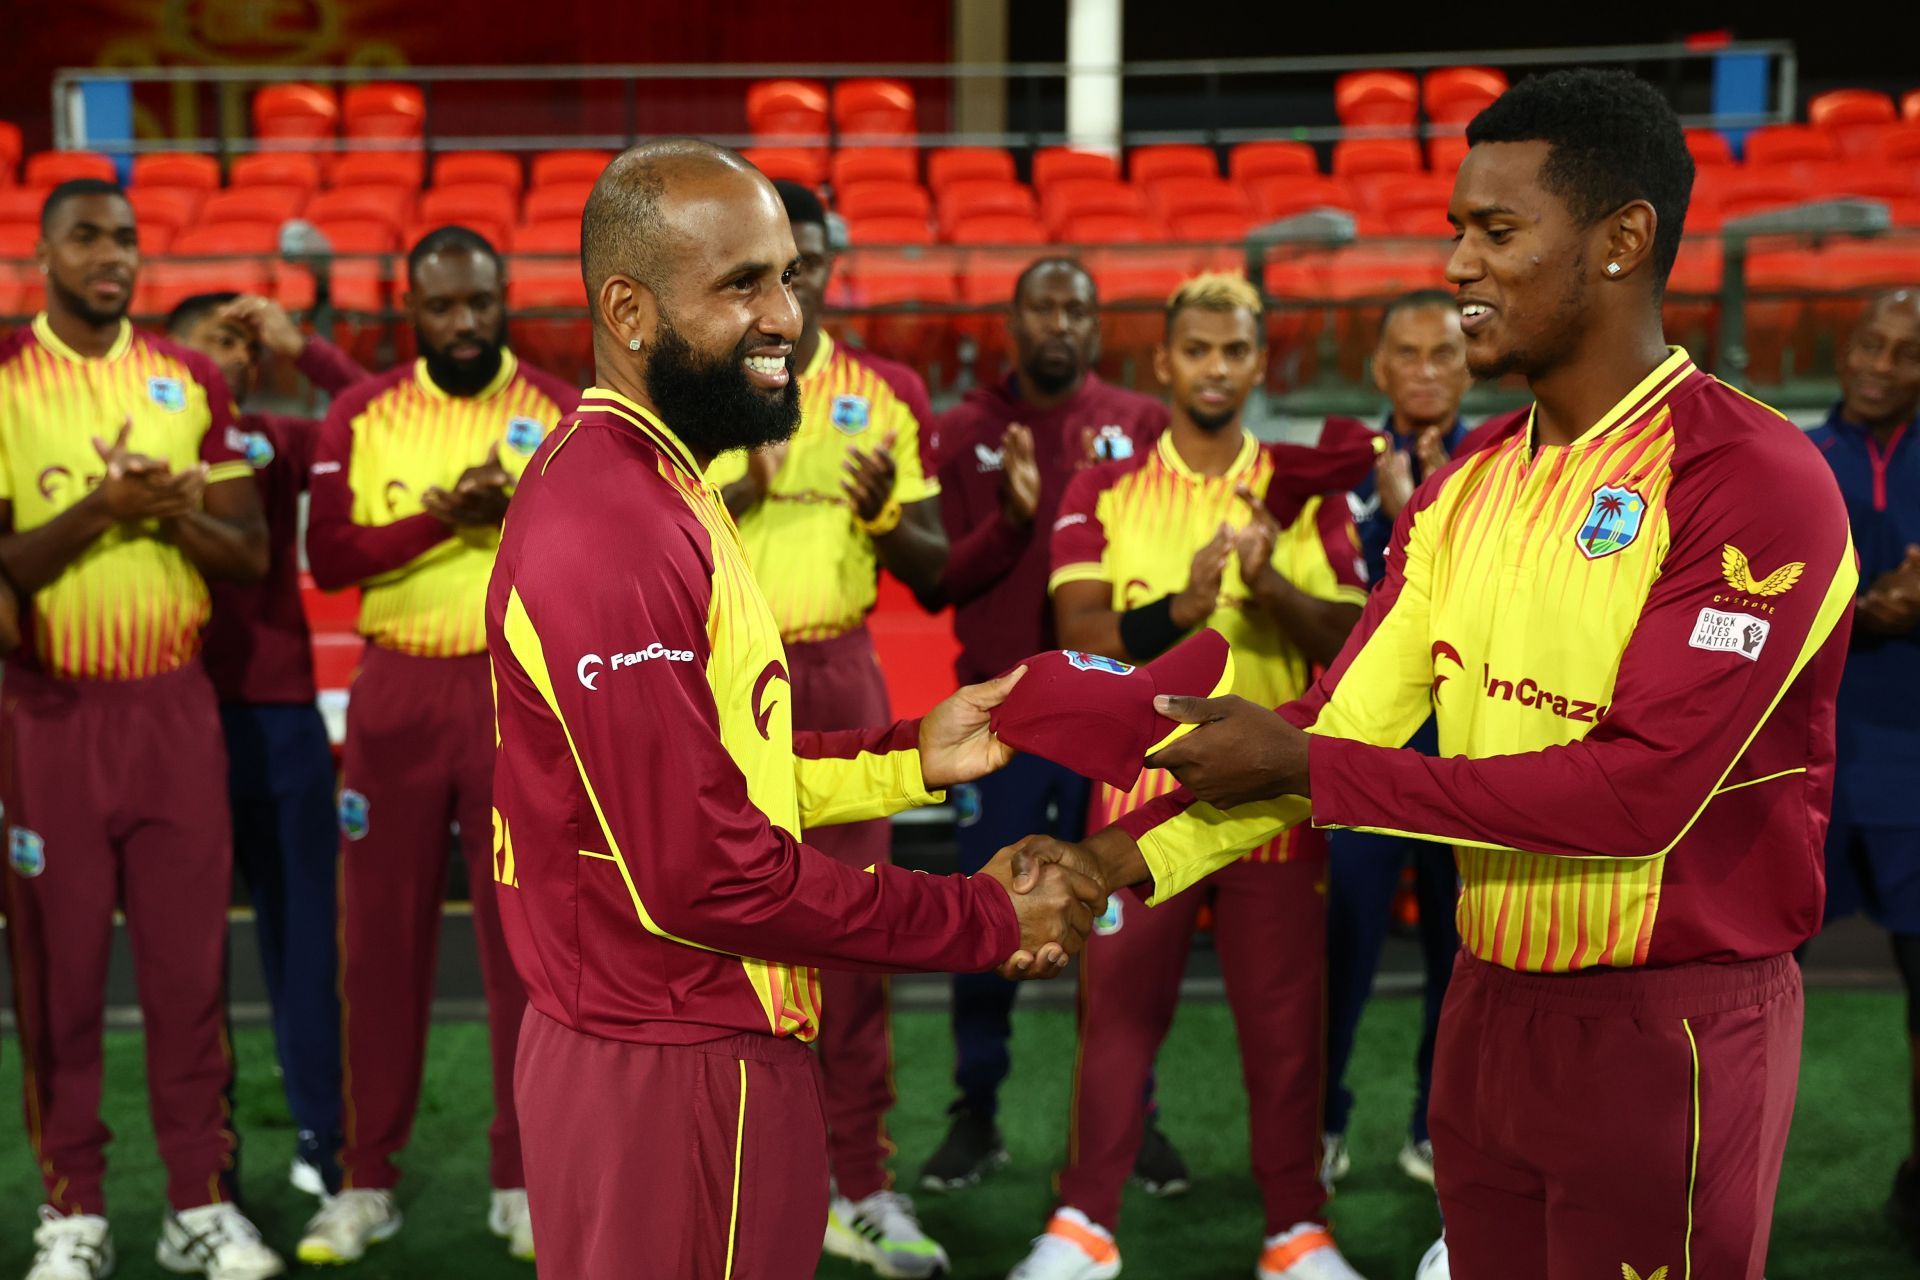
{"points": [[647, 423], [1242, 461], [43, 333], [821, 354], [1652, 392], [509, 365]]}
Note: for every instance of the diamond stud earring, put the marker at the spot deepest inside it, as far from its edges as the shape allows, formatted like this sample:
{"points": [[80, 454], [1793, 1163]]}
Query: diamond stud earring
{"points": [[1613, 268], [633, 344]]}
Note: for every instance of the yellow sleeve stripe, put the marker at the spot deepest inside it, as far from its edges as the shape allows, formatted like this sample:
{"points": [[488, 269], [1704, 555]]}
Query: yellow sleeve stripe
{"points": [[238, 469], [1193, 845], [837, 790], [1344, 594], [524, 642], [1091, 571]]}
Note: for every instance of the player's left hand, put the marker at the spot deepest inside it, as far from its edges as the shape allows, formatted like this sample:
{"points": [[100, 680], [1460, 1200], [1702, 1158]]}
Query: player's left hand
{"points": [[478, 497], [956, 744], [1253, 545], [268, 323], [1431, 447], [867, 478], [1241, 751]]}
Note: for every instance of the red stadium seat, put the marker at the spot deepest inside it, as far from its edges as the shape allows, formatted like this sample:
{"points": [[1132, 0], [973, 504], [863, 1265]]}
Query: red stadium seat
{"points": [[467, 168], [998, 228], [1750, 190], [874, 164], [1709, 148], [1171, 161], [295, 113], [1867, 179], [11, 146], [1211, 225], [1455, 95], [787, 108], [178, 169], [51, 168], [1910, 105], [968, 164], [379, 169], [546, 267], [18, 241], [21, 206], [237, 257], [1445, 152], [911, 275], [483, 207], [1111, 228], [1064, 164], [561, 202], [365, 260], [873, 108], [390, 207], [1852, 116], [168, 208], [1355, 157], [268, 205], [552, 168], [975, 198], [273, 169], [1376, 99], [1414, 203], [885, 229], [1284, 196], [1081, 197], [1899, 145], [382, 111], [883, 200], [1251, 161], [796, 164], [1778, 144], [1200, 195]]}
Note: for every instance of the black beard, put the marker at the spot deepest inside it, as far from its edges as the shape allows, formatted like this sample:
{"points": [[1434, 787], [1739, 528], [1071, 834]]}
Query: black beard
{"points": [[1051, 383], [87, 313], [710, 404], [464, 377], [1561, 335], [1212, 422]]}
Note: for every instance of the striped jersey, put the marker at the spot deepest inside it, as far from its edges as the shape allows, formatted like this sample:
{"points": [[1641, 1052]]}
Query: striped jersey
{"points": [[132, 604], [1631, 646], [650, 789], [384, 443], [1135, 526], [816, 566]]}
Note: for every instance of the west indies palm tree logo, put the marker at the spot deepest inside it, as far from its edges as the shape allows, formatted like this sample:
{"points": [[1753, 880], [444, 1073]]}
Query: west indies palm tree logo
{"points": [[1612, 522]]}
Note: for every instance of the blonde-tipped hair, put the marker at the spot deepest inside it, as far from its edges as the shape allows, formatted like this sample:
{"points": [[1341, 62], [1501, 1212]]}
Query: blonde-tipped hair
{"points": [[1218, 291]]}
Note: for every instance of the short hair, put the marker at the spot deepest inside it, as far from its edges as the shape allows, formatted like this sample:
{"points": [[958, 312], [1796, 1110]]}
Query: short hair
{"points": [[1612, 138], [75, 189], [1050, 263], [1219, 291], [621, 228], [803, 203], [187, 312], [452, 239], [1417, 300]]}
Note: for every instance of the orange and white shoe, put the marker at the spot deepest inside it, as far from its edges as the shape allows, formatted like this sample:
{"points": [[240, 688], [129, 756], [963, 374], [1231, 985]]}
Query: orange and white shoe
{"points": [[1074, 1248], [1305, 1251]]}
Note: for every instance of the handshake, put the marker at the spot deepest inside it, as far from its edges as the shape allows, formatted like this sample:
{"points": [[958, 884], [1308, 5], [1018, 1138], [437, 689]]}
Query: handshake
{"points": [[1057, 890]]}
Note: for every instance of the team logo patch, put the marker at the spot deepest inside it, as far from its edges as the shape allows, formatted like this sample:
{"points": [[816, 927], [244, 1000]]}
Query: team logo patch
{"points": [[353, 814], [1096, 662], [1109, 921], [524, 435], [1612, 522], [1112, 444], [852, 413], [1739, 574], [168, 393], [27, 852], [1740, 633], [259, 450], [965, 799]]}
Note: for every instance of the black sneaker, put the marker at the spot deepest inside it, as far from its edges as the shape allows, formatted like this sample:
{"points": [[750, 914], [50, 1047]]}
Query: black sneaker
{"points": [[972, 1150], [1903, 1206], [1158, 1169]]}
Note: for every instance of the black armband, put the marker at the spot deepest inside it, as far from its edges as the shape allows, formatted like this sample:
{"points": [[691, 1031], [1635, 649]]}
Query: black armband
{"points": [[1149, 630]]}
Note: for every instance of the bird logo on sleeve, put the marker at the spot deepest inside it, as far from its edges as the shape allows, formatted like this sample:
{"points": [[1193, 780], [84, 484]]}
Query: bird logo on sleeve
{"points": [[1738, 572]]}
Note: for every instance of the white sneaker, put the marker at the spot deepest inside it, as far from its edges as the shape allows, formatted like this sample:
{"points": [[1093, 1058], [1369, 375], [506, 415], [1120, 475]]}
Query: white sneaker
{"points": [[306, 1177], [1074, 1248], [218, 1242], [347, 1224], [1334, 1160], [883, 1232], [1434, 1266], [1416, 1161], [509, 1218], [71, 1246], [1304, 1251]]}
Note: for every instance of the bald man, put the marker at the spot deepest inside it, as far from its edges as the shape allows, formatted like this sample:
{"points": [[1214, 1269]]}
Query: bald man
{"points": [[650, 785]]}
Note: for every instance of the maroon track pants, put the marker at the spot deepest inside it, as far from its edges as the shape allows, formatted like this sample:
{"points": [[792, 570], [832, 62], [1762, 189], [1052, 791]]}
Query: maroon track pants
{"points": [[837, 685], [696, 1162], [1585, 1124], [116, 795], [419, 757], [1270, 931]]}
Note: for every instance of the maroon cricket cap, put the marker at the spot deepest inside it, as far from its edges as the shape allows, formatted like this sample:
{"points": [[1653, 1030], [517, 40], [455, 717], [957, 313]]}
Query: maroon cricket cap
{"points": [[1095, 715]]}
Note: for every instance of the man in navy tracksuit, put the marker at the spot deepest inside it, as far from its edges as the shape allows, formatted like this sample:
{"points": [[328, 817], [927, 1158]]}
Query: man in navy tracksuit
{"points": [[1871, 439]]}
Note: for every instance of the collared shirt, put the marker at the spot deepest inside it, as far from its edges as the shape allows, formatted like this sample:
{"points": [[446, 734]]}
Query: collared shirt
{"points": [[650, 788], [132, 604], [1879, 709], [1374, 524], [1632, 645], [1135, 526], [816, 565], [382, 446]]}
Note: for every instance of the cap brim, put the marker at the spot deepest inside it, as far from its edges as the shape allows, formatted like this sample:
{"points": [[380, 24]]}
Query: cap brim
{"points": [[1198, 667]]}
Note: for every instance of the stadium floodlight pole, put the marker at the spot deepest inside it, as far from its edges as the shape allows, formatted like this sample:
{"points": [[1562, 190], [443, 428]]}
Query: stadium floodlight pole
{"points": [[1824, 217]]}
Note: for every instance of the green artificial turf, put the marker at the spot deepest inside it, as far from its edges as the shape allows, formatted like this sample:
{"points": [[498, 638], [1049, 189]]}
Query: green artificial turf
{"points": [[1850, 1130]]}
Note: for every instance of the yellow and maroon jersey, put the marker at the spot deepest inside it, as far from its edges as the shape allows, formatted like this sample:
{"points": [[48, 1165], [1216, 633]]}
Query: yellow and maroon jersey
{"points": [[650, 789], [1631, 645], [816, 566], [383, 445], [1135, 525], [132, 604]]}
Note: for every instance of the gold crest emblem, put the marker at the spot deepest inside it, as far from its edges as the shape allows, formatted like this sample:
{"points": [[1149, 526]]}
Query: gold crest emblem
{"points": [[1739, 575]]}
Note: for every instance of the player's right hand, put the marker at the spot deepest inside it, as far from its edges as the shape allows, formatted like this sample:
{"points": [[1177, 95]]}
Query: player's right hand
{"points": [[1393, 481], [1197, 602], [1055, 905], [134, 486], [1019, 475]]}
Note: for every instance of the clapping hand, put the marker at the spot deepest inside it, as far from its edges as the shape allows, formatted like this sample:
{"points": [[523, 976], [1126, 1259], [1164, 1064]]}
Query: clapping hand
{"points": [[478, 498], [867, 478]]}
